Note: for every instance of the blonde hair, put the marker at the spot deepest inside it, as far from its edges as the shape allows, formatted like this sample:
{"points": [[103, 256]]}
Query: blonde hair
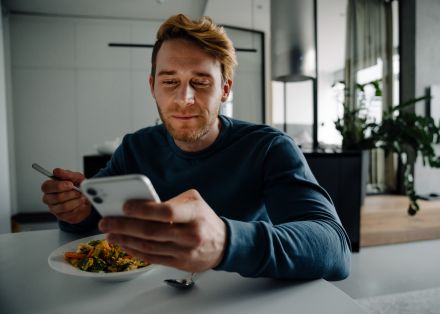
{"points": [[205, 33]]}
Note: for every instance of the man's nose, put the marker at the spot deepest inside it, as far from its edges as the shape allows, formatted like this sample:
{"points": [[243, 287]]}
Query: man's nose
{"points": [[185, 95]]}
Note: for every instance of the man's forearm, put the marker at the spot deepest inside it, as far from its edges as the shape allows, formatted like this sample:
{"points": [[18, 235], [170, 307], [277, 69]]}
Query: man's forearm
{"points": [[296, 250]]}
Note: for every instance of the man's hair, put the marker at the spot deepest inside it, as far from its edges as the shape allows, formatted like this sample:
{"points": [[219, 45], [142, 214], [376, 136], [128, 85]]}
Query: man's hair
{"points": [[205, 33]]}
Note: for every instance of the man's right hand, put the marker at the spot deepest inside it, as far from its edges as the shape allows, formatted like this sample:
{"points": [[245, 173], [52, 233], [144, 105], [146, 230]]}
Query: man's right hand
{"points": [[63, 201]]}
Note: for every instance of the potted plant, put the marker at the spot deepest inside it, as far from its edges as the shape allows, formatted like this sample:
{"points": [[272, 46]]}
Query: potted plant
{"points": [[401, 131]]}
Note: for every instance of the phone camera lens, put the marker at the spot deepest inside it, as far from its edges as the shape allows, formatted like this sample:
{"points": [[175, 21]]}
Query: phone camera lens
{"points": [[91, 191], [97, 200]]}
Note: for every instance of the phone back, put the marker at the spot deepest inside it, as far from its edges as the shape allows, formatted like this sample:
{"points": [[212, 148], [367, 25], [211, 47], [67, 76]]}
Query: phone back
{"points": [[109, 194]]}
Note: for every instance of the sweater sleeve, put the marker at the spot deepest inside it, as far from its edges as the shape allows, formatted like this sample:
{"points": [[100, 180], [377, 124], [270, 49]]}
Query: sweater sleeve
{"points": [[305, 239]]}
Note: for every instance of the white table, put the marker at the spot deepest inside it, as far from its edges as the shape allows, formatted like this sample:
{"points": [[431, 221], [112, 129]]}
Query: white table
{"points": [[29, 285]]}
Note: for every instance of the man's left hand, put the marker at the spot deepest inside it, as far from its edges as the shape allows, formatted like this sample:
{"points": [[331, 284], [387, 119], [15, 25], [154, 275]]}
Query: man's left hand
{"points": [[183, 232]]}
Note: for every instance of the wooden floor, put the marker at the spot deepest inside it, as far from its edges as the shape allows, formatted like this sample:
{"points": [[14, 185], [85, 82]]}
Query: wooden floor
{"points": [[384, 220]]}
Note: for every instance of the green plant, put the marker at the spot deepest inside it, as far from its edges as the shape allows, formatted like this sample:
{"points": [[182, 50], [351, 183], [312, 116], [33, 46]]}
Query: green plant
{"points": [[401, 131], [409, 135], [354, 125]]}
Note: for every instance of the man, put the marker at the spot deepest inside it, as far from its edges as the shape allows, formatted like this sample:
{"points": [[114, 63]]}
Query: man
{"points": [[237, 196]]}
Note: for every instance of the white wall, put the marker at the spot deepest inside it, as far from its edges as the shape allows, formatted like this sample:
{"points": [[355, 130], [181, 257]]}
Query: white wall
{"points": [[247, 84], [427, 63], [5, 192]]}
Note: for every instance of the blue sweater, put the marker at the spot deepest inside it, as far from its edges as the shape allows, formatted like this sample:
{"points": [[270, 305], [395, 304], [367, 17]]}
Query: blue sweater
{"points": [[280, 222]]}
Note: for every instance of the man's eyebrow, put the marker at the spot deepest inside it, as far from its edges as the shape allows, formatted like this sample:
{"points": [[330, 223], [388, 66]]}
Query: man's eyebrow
{"points": [[203, 74], [164, 72], [172, 72]]}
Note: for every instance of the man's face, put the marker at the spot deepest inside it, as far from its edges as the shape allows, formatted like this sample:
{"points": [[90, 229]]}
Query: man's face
{"points": [[188, 89]]}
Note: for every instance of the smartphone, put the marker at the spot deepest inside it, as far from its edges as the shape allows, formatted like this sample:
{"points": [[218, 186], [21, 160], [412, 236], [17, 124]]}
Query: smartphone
{"points": [[108, 194]]}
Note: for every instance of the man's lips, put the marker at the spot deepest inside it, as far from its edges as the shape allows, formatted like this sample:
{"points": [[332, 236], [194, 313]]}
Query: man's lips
{"points": [[184, 117]]}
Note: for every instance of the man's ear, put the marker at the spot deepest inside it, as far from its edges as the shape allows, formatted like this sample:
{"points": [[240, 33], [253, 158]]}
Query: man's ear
{"points": [[227, 87], [151, 81]]}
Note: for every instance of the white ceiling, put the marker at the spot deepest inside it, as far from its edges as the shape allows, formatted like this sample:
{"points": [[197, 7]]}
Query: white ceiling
{"points": [[143, 9]]}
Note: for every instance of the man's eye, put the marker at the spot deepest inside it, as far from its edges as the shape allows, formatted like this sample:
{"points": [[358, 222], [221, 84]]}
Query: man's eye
{"points": [[201, 83], [169, 82]]}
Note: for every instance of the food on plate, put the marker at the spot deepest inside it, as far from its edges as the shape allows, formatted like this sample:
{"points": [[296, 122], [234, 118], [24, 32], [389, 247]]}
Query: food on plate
{"points": [[102, 256]]}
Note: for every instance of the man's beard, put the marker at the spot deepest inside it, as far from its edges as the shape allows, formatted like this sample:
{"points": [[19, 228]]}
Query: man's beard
{"points": [[190, 134]]}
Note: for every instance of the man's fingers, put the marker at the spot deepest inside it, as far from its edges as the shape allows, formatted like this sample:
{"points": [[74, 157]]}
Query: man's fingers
{"points": [[65, 203], [147, 210], [53, 186], [142, 229], [67, 206], [163, 212], [55, 198], [75, 177], [63, 174], [181, 209]]}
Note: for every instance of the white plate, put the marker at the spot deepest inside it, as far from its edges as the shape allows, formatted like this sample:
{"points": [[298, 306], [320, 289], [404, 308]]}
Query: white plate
{"points": [[56, 262]]}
